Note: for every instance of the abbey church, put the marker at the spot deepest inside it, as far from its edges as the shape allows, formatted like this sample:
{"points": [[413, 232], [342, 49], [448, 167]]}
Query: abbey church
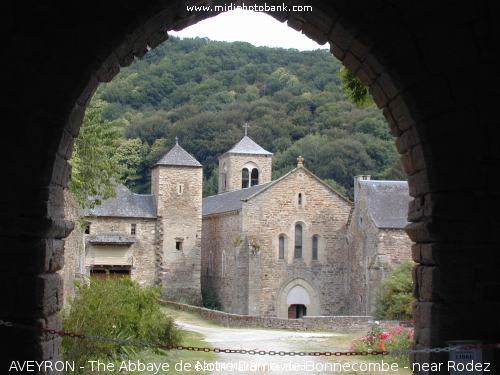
{"points": [[287, 247]]}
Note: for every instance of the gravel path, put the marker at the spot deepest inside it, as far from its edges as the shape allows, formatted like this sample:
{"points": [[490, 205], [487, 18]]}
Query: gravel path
{"points": [[262, 339]]}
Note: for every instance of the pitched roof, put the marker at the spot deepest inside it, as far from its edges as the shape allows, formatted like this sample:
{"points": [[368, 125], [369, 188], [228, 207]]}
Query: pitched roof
{"points": [[125, 204], [247, 146], [110, 239], [180, 157], [230, 201], [387, 202], [233, 200]]}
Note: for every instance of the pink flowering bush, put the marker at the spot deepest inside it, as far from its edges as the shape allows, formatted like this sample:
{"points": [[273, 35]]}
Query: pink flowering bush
{"points": [[386, 337]]}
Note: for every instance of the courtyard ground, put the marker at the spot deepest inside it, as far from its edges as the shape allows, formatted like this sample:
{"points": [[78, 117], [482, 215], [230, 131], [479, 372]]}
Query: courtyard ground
{"points": [[276, 340]]}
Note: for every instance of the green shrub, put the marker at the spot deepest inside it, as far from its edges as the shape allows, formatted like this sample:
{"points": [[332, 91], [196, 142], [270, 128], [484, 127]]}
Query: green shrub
{"points": [[118, 308], [210, 300], [394, 296]]}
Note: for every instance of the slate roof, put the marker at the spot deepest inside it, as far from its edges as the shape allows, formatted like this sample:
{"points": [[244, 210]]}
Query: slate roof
{"points": [[110, 239], [247, 146], [125, 204], [178, 156], [230, 201], [387, 202]]}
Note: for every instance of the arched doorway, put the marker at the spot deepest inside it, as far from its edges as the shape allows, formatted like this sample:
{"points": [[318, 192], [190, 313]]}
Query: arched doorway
{"points": [[298, 298], [417, 60]]}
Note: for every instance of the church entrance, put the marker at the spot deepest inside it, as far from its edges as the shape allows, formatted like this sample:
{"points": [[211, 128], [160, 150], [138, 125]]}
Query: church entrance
{"points": [[297, 301], [297, 311]]}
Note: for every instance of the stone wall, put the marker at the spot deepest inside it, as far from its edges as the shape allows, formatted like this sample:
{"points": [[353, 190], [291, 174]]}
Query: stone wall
{"points": [[275, 211], [142, 251], [234, 165], [373, 252], [74, 250], [362, 242], [225, 261], [341, 323], [394, 247], [179, 213]]}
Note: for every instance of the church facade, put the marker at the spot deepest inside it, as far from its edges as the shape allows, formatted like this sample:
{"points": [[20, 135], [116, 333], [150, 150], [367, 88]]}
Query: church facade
{"points": [[288, 248]]}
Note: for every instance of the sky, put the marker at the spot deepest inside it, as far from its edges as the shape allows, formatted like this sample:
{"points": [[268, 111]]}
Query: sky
{"points": [[239, 25]]}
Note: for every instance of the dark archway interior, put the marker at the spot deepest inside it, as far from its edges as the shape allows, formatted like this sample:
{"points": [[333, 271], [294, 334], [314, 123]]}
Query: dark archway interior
{"points": [[432, 66]]}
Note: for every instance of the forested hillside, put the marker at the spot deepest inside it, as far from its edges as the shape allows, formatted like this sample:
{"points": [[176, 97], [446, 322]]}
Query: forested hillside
{"points": [[204, 91]]}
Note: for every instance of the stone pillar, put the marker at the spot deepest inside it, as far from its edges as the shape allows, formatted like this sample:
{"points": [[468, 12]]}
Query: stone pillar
{"points": [[32, 290]]}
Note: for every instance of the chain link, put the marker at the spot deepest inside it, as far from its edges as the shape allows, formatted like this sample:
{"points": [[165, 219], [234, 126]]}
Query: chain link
{"points": [[124, 342]]}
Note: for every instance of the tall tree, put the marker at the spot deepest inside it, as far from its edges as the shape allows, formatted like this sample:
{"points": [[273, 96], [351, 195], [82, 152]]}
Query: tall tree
{"points": [[96, 166]]}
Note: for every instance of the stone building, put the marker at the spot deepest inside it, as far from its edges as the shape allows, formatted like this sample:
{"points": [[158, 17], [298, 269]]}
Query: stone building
{"points": [[289, 247], [155, 238], [376, 238]]}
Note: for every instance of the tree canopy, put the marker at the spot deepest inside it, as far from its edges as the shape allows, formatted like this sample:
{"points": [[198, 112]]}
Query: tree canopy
{"points": [[203, 91]]}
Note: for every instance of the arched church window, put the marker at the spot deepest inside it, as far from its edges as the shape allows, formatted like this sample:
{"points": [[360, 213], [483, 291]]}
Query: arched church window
{"points": [[298, 241], [299, 199], [244, 178], [315, 241], [281, 252], [255, 177]]}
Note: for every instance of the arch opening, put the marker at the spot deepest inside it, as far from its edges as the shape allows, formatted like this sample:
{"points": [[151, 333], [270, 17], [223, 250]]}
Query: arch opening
{"points": [[152, 23]]}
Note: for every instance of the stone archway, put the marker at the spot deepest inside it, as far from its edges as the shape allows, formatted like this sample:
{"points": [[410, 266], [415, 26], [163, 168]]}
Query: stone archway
{"points": [[298, 292], [417, 59]]}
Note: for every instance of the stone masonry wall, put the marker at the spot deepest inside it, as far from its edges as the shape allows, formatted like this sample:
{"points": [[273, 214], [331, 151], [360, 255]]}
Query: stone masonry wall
{"points": [[341, 323], [394, 247], [362, 242], [143, 250], [74, 250], [180, 216], [234, 165], [276, 211], [372, 253], [225, 261]]}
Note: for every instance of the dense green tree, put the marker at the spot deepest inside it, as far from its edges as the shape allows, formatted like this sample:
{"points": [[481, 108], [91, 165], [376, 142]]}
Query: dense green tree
{"points": [[295, 102], [96, 166], [356, 91], [394, 296]]}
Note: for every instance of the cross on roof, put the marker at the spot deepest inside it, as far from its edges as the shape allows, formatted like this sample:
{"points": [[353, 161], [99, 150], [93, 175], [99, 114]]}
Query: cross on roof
{"points": [[245, 125]]}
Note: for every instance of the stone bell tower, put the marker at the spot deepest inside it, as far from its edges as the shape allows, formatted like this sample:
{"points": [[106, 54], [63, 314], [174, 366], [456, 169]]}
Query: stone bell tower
{"points": [[245, 165], [176, 183]]}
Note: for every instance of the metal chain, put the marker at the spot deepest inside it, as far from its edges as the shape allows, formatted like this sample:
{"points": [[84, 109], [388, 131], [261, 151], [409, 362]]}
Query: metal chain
{"points": [[63, 333]]}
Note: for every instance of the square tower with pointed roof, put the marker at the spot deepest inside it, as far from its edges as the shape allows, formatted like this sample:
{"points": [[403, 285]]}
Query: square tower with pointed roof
{"points": [[176, 186], [245, 165]]}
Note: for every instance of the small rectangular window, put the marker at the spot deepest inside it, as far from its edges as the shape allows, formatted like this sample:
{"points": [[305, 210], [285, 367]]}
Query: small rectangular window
{"points": [[178, 245], [133, 229], [180, 189], [87, 228]]}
